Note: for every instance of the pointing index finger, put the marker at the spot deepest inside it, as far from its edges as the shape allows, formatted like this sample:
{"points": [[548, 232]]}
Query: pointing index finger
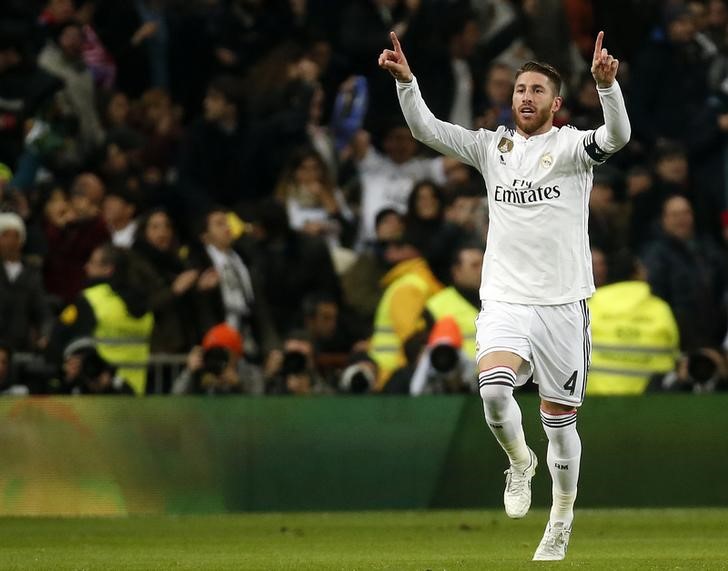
{"points": [[395, 42], [598, 45]]}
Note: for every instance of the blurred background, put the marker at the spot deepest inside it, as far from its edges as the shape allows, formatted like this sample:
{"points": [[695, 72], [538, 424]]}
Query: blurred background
{"points": [[221, 197]]}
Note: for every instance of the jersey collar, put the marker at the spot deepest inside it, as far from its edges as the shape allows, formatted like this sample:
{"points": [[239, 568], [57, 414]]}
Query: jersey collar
{"points": [[517, 136]]}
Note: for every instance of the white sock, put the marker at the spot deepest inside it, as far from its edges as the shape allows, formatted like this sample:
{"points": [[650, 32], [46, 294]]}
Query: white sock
{"points": [[503, 414], [563, 457]]}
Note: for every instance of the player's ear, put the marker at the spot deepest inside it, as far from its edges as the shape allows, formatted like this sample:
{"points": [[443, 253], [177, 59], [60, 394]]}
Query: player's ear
{"points": [[556, 105]]}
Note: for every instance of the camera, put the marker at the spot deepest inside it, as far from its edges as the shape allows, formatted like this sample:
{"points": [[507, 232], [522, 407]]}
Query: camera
{"points": [[215, 360], [702, 369], [444, 358], [93, 366], [294, 363], [358, 378]]}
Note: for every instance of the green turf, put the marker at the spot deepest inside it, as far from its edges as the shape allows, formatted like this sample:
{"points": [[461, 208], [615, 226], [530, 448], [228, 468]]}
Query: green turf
{"points": [[434, 540]]}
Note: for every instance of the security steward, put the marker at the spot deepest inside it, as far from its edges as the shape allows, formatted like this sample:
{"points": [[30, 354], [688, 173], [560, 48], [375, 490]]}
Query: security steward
{"points": [[114, 314]]}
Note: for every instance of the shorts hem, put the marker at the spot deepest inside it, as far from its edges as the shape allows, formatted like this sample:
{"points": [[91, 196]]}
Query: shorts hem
{"points": [[575, 404], [489, 350]]}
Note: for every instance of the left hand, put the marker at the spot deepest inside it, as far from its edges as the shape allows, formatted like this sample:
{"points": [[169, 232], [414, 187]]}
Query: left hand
{"points": [[604, 67]]}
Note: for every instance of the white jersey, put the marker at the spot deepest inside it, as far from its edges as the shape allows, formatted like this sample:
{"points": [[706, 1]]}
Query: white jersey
{"points": [[538, 195]]}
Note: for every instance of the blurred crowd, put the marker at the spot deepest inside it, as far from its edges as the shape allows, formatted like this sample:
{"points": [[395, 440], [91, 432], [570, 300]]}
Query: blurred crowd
{"points": [[227, 188]]}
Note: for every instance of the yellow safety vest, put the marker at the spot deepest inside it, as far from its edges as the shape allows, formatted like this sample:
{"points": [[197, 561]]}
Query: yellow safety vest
{"points": [[449, 302], [121, 339], [385, 347], [634, 335]]}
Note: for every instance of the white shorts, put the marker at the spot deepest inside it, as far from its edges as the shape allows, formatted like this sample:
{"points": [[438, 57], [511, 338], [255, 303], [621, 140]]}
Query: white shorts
{"points": [[553, 340]]}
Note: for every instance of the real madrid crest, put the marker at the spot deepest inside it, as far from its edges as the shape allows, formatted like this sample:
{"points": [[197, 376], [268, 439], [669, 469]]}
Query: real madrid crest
{"points": [[505, 145], [546, 161]]}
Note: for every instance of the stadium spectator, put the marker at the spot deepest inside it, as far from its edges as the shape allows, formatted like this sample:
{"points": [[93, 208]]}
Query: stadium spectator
{"points": [[600, 267], [119, 210], [408, 286], [373, 20], [331, 335], [229, 289], [168, 281], [449, 78], [25, 90], [114, 314], [607, 215], [62, 56], [315, 206], [137, 35], [634, 333], [467, 212], [689, 272], [425, 219], [72, 232], [97, 58], [360, 284], [214, 157], [25, 316], [672, 61], [387, 179], [495, 109], [585, 112], [291, 265]]}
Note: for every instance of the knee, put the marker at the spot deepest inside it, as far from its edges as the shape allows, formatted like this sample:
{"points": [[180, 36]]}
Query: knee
{"points": [[496, 399]]}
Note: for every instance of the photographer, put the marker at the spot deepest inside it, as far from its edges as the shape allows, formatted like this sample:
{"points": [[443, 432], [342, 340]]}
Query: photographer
{"points": [[360, 375], [217, 367], [701, 371], [444, 367], [292, 371], [84, 371]]}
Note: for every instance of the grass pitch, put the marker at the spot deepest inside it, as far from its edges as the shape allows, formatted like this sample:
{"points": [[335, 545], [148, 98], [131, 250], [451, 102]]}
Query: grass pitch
{"points": [[427, 540]]}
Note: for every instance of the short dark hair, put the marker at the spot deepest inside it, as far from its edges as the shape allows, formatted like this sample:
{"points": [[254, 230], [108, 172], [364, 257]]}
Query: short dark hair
{"points": [[545, 69], [111, 254], [455, 259], [231, 88], [203, 222], [383, 213]]}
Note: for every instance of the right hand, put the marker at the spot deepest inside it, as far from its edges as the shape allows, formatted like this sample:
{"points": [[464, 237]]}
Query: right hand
{"points": [[209, 279], [395, 62], [184, 281], [145, 31], [195, 359]]}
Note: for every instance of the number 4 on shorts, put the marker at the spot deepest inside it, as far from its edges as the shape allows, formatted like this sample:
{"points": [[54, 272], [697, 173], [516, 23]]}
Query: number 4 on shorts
{"points": [[570, 385]]}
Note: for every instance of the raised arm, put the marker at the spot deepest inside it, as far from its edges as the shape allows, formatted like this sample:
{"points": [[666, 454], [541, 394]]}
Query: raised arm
{"points": [[446, 138], [616, 131]]}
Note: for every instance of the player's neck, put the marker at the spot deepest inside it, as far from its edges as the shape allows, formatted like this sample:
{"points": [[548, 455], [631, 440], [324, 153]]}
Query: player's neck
{"points": [[545, 128]]}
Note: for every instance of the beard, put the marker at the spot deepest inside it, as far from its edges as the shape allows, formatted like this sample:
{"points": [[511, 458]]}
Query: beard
{"points": [[534, 123]]}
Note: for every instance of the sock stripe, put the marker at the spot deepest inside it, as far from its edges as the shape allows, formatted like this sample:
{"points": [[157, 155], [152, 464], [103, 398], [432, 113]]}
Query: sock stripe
{"points": [[482, 380], [497, 376], [558, 422]]}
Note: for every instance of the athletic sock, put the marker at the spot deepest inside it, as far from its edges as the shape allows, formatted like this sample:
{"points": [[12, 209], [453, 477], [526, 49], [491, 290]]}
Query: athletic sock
{"points": [[563, 457], [503, 414]]}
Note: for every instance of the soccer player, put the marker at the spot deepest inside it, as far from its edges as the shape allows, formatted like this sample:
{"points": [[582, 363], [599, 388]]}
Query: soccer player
{"points": [[537, 275]]}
